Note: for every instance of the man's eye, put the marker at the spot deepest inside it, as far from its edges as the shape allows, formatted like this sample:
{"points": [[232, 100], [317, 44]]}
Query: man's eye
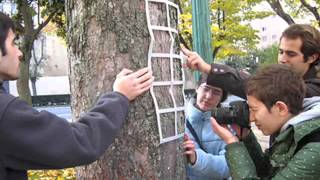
{"points": [[292, 54]]}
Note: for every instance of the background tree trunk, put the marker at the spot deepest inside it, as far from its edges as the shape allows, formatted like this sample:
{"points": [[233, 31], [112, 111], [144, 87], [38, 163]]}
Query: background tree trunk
{"points": [[27, 43], [105, 36]]}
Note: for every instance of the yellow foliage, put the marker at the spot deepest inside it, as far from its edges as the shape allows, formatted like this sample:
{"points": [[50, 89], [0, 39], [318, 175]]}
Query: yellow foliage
{"points": [[63, 174]]}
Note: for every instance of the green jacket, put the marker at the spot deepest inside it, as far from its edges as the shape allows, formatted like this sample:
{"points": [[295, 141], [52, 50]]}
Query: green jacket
{"points": [[247, 161]]}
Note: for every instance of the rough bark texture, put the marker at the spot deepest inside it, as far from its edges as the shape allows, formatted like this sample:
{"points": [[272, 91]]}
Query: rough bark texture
{"points": [[104, 37]]}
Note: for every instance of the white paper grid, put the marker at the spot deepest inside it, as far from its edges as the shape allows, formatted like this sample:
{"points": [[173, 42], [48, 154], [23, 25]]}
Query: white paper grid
{"points": [[172, 82]]}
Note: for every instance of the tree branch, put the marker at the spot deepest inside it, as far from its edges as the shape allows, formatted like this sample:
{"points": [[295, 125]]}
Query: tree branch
{"points": [[276, 6], [215, 52], [313, 10], [43, 24]]}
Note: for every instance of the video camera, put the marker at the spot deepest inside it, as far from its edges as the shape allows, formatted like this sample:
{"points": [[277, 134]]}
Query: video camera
{"points": [[237, 113]]}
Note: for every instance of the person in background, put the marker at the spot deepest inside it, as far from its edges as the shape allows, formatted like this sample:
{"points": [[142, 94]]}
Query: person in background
{"points": [[203, 148], [277, 107]]}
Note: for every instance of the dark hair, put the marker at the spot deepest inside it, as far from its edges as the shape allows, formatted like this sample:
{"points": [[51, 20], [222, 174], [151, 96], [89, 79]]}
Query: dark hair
{"points": [[6, 24], [203, 79], [278, 83], [309, 36]]}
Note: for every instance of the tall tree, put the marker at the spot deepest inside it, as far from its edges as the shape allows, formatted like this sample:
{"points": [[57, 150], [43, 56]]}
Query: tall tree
{"points": [[27, 11], [231, 32], [105, 36], [35, 65]]}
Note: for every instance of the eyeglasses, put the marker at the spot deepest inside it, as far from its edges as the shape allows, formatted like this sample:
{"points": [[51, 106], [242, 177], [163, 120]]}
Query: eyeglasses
{"points": [[214, 91]]}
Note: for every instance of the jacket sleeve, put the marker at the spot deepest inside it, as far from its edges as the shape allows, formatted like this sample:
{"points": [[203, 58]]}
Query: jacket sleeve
{"points": [[240, 163], [304, 165], [259, 158], [39, 140], [214, 166], [229, 79], [246, 159], [208, 164]]}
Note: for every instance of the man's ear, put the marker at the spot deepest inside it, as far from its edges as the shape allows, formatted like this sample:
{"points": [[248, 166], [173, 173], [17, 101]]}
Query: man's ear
{"points": [[311, 59], [282, 108]]}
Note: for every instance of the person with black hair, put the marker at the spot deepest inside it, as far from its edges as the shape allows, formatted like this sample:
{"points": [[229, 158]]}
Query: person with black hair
{"points": [[40, 140], [203, 148], [277, 104]]}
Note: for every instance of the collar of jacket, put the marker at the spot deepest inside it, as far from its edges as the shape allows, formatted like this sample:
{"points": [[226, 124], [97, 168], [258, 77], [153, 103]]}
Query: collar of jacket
{"points": [[313, 72], [195, 114], [285, 144], [311, 108]]}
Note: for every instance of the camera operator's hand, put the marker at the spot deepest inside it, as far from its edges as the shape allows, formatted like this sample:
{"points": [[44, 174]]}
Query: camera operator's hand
{"points": [[194, 61], [224, 132], [132, 84], [189, 149], [241, 132]]}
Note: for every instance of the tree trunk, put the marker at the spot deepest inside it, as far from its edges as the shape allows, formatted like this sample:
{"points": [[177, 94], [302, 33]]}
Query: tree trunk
{"points": [[104, 37], [23, 81]]}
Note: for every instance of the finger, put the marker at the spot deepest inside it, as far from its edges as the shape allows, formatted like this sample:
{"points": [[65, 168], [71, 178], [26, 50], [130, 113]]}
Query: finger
{"points": [[185, 137], [146, 82], [124, 72], [214, 124], [140, 72], [145, 77], [145, 86], [185, 51], [193, 57], [188, 144]]}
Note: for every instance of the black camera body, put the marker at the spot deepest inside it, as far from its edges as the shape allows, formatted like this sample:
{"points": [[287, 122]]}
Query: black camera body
{"points": [[237, 113]]}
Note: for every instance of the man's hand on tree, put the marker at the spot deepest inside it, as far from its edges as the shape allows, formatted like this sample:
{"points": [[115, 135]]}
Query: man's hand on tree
{"points": [[132, 84]]}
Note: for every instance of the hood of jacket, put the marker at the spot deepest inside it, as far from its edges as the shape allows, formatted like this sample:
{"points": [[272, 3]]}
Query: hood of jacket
{"points": [[311, 110]]}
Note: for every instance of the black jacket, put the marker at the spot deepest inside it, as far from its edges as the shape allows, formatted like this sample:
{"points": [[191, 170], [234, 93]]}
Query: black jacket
{"points": [[233, 81], [40, 140]]}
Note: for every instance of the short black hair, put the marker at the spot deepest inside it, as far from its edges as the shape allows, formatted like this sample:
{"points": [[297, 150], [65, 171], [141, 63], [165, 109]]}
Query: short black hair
{"points": [[6, 24], [203, 79]]}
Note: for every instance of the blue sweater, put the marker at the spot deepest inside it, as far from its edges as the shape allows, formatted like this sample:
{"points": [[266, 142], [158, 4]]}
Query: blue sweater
{"points": [[211, 164]]}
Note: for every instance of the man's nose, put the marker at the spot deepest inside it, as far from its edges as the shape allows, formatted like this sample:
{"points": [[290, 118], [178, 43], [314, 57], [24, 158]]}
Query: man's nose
{"points": [[283, 58], [20, 55], [209, 94], [252, 118]]}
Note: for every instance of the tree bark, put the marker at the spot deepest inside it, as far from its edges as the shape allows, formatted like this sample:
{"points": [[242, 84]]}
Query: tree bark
{"points": [[27, 42], [104, 37]]}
